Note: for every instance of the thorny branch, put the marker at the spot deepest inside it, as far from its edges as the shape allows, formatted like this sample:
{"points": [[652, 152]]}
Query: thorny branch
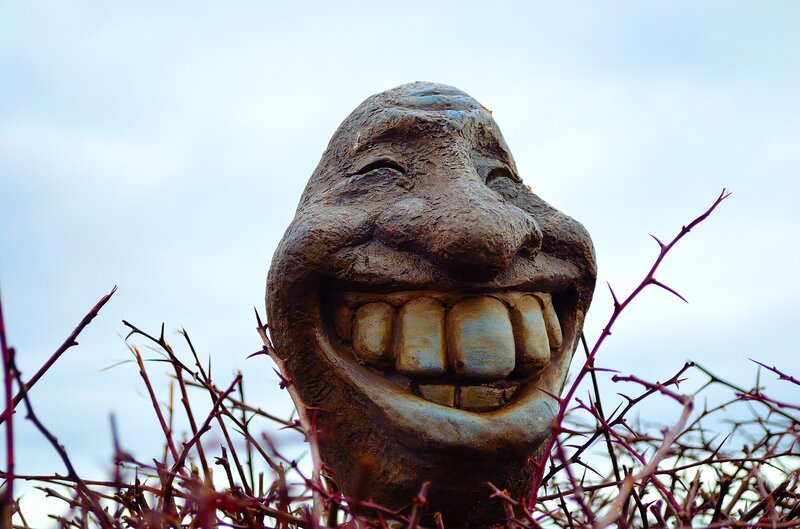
{"points": [[71, 341], [689, 474]]}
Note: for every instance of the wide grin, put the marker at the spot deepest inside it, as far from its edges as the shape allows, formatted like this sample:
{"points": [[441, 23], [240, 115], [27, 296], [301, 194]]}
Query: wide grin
{"points": [[473, 352]]}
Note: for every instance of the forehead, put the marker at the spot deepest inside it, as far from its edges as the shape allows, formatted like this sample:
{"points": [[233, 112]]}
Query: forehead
{"points": [[420, 112], [392, 124]]}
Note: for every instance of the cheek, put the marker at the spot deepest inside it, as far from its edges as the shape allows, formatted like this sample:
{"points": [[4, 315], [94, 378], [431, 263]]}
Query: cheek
{"points": [[376, 189], [319, 231]]}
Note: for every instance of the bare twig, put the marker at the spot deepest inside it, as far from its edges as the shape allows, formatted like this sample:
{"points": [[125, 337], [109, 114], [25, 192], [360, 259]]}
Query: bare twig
{"points": [[87, 494], [71, 341], [619, 307]]}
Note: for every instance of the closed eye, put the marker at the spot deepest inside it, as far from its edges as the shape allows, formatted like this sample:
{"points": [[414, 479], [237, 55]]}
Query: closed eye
{"points": [[500, 172], [382, 163]]}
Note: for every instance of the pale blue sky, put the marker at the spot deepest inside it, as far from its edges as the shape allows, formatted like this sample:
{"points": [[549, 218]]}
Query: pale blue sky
{"points": [[163, 149]]}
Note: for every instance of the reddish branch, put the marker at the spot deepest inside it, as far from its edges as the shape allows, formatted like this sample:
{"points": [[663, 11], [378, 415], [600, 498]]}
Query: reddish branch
{"points": [[8, 381], [71, 341], [684, 475], [619, 307]]}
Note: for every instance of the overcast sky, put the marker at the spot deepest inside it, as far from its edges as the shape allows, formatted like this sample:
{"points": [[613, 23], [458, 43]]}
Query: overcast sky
{"points": [[163, 148]]}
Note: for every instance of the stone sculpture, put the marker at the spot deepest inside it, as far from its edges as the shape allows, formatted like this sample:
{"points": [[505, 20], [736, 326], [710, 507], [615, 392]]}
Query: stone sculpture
{"points": [[428, 301]]}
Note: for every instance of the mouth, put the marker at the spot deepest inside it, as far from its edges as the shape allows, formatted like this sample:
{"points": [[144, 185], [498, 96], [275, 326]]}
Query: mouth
{"points": [[477, 352]]}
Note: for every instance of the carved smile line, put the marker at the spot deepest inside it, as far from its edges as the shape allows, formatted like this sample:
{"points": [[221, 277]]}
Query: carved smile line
{"points": [[474, 352]]}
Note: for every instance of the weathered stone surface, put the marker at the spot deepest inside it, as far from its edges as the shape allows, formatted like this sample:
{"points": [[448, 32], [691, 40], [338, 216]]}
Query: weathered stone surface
{"points": [[550, 320], [481, 398], [530, 333], [480, 339], [372, 333], [444, 394], [417, 196], [420, 346], [343, 322]]}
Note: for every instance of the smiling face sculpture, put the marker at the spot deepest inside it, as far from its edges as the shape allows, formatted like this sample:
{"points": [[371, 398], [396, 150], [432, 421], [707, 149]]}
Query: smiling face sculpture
{"points": [[428, 302]]}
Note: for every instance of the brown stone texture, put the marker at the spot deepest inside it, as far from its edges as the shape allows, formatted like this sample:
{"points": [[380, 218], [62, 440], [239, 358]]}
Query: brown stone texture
{"points": [[417, 192]]}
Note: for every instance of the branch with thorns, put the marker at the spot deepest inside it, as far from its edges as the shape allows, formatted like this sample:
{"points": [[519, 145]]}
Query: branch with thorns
{"points": [[599, 467]]}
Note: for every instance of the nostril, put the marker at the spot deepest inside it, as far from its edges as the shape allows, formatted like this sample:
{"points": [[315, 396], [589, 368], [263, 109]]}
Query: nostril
{"points": [[532, 241], [528, 252]]}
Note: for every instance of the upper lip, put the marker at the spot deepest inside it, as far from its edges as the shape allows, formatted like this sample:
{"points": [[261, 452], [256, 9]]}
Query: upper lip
{"points": [[376, 268]]}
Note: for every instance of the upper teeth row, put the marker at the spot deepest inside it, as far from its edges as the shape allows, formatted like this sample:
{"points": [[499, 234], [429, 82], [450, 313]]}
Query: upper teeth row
{"points": [[480, 337]]}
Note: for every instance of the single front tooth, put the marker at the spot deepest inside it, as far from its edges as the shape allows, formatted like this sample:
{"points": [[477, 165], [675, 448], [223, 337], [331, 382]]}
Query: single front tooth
{"points": [[550, 319], [480, 339], [530, 334], [480, 398], [443, 394], [343, 321], [372, 333], [419, 346]]}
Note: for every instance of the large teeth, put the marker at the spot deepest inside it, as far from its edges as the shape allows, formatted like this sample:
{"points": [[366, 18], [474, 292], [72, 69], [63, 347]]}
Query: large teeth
{"points": [[372, 333], [530, 332], [450, 340], [550, 320], [480, 340], [420, 343]]}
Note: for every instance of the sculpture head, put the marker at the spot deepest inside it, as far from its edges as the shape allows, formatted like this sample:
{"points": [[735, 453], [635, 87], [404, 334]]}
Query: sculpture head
{"points": [[429, 301]]}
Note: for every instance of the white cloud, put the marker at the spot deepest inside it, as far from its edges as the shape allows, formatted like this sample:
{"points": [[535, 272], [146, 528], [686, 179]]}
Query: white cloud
{"points": [[38, 153], [164, 148]]}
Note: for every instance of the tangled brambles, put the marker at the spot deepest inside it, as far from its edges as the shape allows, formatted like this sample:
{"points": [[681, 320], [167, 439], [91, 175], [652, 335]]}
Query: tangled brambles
{"points": [[731, 464]]}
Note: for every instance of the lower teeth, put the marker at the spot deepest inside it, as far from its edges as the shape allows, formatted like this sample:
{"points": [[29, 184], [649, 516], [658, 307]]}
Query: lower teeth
{"points": [[470, 398]]}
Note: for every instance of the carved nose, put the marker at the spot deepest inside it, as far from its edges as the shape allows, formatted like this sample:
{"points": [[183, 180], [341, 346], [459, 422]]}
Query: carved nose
{"points": [[471, 235], [477, 240]]}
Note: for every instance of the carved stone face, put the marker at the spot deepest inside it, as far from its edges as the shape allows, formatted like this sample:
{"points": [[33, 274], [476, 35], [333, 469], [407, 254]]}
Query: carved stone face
{"points": [[428, 301]]}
